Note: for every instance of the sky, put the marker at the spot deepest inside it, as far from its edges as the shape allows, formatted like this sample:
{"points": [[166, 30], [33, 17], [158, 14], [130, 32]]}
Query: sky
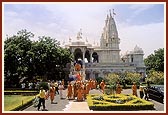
{"points": [[141, 24]]}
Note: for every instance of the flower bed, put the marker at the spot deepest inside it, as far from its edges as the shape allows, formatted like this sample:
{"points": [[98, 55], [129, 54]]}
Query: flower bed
{"points": [[117, 102]]}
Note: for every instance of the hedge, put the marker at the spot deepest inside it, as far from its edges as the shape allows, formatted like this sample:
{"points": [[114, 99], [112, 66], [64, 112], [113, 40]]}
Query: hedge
{"points": [[117, 102]]}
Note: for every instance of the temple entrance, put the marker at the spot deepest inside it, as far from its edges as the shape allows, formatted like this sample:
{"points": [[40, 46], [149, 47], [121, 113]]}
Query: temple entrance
{"points": [[87, 76], [87, 56], [95, 57], [78, 54], [78, 69]]}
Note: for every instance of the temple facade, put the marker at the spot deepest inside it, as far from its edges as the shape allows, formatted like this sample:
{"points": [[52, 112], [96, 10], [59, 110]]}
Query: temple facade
{"points": [[98, 61]]}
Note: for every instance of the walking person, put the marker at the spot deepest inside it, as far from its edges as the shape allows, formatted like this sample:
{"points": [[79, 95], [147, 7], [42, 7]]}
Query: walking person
{"points": [[102, 85], [84, 91], [87, 88], [41, 99], [74, 90], [23, 85], [134, 89], [146, 93], [56, 87], [80, 92], [118, 88], [61, 87], [69, 92], [141, 92], [52, 93]]}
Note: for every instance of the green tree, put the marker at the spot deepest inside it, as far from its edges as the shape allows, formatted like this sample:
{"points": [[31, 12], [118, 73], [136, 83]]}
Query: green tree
{"points": [[155, 61], [131, 77], [44, 56], [16, 63], [48, 58], [111, 80], [24, 58], [155, 77]]}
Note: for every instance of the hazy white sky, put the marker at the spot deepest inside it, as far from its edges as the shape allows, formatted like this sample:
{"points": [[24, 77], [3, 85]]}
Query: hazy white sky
{"points": [[138, 24]]}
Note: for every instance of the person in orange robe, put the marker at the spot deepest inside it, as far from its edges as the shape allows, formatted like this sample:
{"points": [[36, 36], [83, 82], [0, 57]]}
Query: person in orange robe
{"points": [[87, 88], [74, 90], [52, 93], [79, 92], [94, 84], [69, 93], [134, 89], [84, 90], [102, 85], [118, 88], [92, 87], [77, 67], [90, 84]]}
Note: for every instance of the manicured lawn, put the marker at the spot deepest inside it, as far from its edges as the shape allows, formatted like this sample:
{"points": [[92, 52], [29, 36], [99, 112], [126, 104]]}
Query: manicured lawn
{"points": [[13, 101]]}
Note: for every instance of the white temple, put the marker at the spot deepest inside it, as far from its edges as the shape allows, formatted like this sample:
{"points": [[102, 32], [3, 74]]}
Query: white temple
{"points": [[100, 60]]}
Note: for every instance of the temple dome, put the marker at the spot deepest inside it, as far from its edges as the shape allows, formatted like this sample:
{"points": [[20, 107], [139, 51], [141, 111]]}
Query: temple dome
{"points": [[138, 50]]}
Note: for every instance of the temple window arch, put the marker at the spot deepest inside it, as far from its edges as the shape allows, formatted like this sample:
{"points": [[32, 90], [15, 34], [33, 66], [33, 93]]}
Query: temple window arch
{"points": [[95, 57], [78, 54], [87, 56]]}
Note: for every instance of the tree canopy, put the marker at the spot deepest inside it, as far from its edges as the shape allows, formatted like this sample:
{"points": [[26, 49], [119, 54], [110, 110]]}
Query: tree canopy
{"points": [[155, 61], [24, 58], [155, 77]]}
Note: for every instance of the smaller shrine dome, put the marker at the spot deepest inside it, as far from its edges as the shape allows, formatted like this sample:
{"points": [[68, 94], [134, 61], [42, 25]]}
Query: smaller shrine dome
{"points": [[138, 50]]}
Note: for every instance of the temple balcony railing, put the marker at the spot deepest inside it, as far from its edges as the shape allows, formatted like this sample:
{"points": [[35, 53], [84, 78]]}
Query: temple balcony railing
{"points": [[92, 65]]}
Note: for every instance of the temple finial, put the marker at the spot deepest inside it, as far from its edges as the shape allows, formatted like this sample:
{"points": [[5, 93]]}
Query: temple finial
{"points": [[110, 11], [113, 13]]}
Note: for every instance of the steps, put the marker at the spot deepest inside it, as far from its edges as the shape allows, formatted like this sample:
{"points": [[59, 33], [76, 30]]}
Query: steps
{"points": [[77, 106]]}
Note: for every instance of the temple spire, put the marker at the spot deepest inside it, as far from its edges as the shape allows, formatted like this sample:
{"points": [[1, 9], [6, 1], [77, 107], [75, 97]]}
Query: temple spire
{"points": [[110, 12], [113, 13], [79, 35], [110, 33]]}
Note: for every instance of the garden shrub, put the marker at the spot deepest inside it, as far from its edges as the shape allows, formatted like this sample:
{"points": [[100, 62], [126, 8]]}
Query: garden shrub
{"points": [[117, 102]]}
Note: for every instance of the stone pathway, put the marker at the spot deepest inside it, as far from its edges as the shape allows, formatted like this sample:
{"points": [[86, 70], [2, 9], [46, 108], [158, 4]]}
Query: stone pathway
{"points": [[77, 106], [64, 105], [80, 106]]}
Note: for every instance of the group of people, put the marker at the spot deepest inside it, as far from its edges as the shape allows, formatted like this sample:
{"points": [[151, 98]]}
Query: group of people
{"points": [[79, 89], [53, 89], [103, 86], [143, 91], [75, 90]]}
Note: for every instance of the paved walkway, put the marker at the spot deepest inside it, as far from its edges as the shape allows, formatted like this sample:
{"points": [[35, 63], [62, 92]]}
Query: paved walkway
{"points": [[80, 106], [64, 104], [72, 105], [77, 106]]}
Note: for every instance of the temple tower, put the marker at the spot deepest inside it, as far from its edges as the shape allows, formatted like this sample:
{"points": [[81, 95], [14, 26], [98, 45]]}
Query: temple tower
{"points": [[110, 41]]}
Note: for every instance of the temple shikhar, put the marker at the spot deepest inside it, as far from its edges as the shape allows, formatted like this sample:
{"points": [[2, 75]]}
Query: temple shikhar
{"points": [[92, 61]]}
